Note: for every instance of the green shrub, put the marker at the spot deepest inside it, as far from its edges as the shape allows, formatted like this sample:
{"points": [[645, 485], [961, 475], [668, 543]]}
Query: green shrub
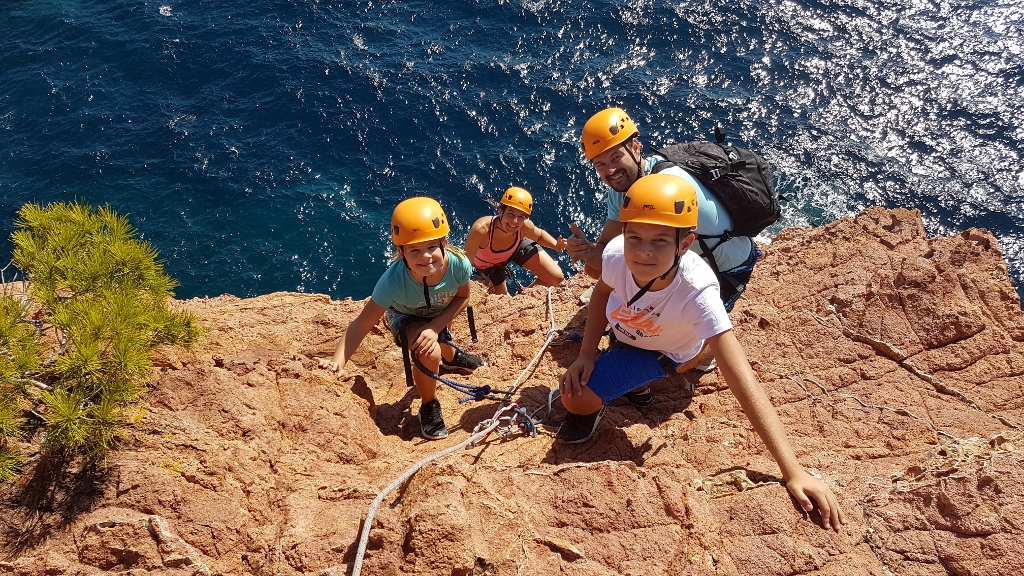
{"points": [[103, 297]]}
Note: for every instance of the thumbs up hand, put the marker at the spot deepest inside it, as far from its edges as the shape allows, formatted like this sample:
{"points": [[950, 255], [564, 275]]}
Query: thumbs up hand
{"points": [[578, 246]]}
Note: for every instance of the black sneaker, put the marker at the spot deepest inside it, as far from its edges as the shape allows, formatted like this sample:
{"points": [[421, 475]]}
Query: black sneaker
{"points": [[462, 362], [641, 397], [578, 428], [431, 422]]}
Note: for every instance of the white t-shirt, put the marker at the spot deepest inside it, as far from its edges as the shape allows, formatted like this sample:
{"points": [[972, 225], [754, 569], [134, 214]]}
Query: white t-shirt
{"points": [[675, 320]]}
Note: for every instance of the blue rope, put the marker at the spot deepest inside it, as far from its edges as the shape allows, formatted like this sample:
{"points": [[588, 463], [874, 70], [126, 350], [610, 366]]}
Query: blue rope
{"points": [[528, 426], [566, 337], [476, 393], [529, 423]]}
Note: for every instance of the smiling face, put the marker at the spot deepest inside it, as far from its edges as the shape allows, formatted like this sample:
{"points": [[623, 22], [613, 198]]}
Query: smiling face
{"points": [[651, 249], [425, 258], [618, 167], [511, 219]]}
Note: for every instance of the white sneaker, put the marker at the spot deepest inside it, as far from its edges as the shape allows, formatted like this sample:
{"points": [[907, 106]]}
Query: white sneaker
{"points": [[585, 297], [707, 365]]}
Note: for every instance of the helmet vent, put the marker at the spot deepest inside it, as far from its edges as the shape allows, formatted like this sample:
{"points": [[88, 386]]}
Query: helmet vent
{"points": [[436, 222], [680, 206]]}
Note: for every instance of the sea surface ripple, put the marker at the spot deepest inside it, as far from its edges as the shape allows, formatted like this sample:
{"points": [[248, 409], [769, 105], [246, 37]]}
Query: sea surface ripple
{"points": [[261, 145]]}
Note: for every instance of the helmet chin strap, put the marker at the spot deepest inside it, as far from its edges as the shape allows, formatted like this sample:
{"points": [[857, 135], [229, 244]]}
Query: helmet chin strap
{"points": [[639, 159], [426, 290], [499, 221], [647, 287]]}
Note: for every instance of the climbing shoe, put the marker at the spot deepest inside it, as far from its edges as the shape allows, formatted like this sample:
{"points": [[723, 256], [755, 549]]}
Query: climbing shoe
{"points": [[462, 363], [641, 397], [578, 427], [431, 422]]}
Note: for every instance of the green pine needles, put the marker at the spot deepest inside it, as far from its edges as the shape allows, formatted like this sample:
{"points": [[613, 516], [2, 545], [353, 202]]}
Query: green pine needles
{"points": [[75, 346]]}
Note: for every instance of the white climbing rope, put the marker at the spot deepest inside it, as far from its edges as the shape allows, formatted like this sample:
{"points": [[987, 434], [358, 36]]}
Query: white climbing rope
{"points": [[488, 426]]}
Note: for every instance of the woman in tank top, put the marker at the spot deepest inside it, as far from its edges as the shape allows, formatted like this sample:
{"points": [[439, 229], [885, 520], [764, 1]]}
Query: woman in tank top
{"points": [[510, 236]]}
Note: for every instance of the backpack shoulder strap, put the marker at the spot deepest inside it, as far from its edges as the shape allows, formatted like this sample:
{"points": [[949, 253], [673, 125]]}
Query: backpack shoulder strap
{"points": [[662, 162]]}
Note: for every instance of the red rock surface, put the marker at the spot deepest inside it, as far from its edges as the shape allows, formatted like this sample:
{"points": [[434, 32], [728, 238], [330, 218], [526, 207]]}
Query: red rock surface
{"points": [[896, 362]]}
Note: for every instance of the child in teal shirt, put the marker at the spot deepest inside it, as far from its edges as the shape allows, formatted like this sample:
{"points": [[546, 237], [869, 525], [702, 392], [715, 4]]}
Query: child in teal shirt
{"points": [[419, 294]]}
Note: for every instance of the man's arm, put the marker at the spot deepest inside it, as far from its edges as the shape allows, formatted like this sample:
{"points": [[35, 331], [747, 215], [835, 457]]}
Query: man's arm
{"points": [[581, 248]]}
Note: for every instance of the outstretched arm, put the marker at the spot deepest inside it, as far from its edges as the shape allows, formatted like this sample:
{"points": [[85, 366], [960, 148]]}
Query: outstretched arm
{"points": [[732, 361], [354, 335], [540, 236]]}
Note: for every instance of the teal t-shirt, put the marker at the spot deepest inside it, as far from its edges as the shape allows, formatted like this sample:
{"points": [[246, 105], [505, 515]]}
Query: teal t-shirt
{"points": [[399, 291], [712, 219]]}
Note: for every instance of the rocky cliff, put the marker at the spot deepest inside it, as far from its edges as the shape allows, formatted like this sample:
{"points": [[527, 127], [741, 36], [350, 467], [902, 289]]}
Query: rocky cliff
{"points": [[896, 362]]}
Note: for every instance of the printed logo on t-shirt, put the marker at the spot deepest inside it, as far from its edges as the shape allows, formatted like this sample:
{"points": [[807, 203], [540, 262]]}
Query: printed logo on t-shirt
{"points": [[438, 300], [634, 324]]}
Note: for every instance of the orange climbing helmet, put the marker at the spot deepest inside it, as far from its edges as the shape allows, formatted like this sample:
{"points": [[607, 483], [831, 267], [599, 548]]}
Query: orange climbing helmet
{"points": [[517, 197], [663, 199], [605, 130], [417, 220]]}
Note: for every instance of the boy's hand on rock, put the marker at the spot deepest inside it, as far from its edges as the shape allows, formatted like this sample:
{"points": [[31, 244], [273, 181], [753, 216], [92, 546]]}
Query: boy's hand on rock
{"points": [[805, 487]]}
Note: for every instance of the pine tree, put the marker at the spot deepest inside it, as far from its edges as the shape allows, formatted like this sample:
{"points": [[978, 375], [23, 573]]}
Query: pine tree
{"points": [[76, 347], [19, 357]]}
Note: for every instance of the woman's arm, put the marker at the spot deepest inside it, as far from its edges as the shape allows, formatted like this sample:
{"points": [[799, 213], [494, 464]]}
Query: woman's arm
{"points": [[477, 236], [542, 237]]}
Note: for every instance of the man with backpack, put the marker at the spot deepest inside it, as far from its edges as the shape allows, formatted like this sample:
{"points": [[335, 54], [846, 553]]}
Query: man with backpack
{"points": [[611, 143]]}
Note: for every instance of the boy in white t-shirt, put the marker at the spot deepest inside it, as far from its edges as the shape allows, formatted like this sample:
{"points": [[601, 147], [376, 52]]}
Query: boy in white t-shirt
{"points": [[663, 305]]}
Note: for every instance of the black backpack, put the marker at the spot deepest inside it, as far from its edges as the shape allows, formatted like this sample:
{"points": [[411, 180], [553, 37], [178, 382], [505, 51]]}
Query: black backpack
{"points": [[740, 179]]}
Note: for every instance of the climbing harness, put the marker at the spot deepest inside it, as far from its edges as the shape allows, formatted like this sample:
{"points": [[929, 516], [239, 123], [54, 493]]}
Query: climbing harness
{"points": [[408, 359], [472, 323]]}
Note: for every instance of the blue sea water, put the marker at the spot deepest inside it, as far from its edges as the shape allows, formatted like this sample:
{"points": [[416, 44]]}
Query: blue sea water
{"points": [[261, 145]]}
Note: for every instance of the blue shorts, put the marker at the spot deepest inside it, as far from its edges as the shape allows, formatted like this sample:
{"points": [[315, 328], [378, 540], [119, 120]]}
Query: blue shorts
{"points": [[398, 321], [623, 368]]}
